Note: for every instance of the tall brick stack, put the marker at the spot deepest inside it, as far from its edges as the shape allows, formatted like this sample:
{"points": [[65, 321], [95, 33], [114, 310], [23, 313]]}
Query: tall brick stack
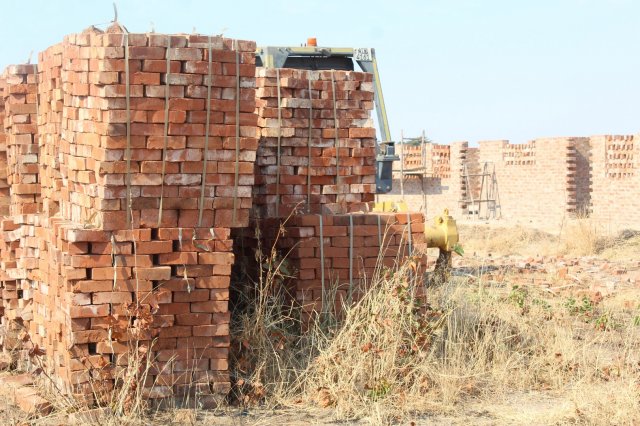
{"points": [[80, 279], [316, 126]]}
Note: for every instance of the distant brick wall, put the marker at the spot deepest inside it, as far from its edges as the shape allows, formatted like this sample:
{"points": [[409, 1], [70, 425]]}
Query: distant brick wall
{"points": [[534, 180], [615, 194], [443, 183], [543, 182]]}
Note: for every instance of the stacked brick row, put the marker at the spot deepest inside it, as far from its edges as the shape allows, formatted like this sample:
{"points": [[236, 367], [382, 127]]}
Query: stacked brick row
{"points": [[4, 186], [19, 248], [103, 170], [106, 290], [50, 117], [321, 136], [354, 247], [21, 137]]}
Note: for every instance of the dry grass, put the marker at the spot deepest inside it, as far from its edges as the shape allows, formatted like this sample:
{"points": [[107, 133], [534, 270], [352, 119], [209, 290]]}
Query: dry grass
{"points": [[393, 358], [475, 351], [578, 237]]}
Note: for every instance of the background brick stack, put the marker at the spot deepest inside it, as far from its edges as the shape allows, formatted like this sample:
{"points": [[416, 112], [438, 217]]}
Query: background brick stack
{"points": [[615, 180], [19, 249], [342, 169], [355, 248], [443, 183]]}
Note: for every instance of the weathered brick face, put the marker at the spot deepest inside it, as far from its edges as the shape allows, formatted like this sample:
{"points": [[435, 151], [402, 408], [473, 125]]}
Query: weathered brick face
{"points": [[615, 195]]}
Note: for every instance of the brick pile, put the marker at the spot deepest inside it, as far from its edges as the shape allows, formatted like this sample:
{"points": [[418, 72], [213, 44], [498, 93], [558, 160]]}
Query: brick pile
{"points": [[4, 186], [105, 290], [112, 239], [94, 152], [21, 138], [355, 247], [18, 250], [78, 278], [326, 141]]}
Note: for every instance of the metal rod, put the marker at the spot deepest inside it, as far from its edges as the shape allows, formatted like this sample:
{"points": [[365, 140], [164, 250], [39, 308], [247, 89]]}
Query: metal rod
{"points": [[402, 163]]}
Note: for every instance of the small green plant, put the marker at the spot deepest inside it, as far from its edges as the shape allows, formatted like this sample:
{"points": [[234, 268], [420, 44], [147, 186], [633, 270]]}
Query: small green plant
{"points": [[605, 322], [583, 307], [518, 296], [542, 303], [379, 390], [457, 249], [636, 321]]}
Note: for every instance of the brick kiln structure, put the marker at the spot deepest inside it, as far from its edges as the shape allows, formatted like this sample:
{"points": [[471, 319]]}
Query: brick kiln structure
{"points": [[544, 182]]}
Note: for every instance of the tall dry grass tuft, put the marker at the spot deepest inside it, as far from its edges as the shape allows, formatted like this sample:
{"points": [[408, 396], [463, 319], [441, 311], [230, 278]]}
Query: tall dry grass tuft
{"points": [[268, 350]]}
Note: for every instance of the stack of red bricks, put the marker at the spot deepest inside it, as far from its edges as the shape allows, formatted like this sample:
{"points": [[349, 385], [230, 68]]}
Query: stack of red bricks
{"points": [[316, 126], [334, 258], [21, 137], [166, 285], [4, 186], [81, 280], [19, 249], [106, 170]]}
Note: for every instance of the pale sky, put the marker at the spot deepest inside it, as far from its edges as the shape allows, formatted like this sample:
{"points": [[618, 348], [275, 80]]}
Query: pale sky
{"points": [[459, 69]]}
